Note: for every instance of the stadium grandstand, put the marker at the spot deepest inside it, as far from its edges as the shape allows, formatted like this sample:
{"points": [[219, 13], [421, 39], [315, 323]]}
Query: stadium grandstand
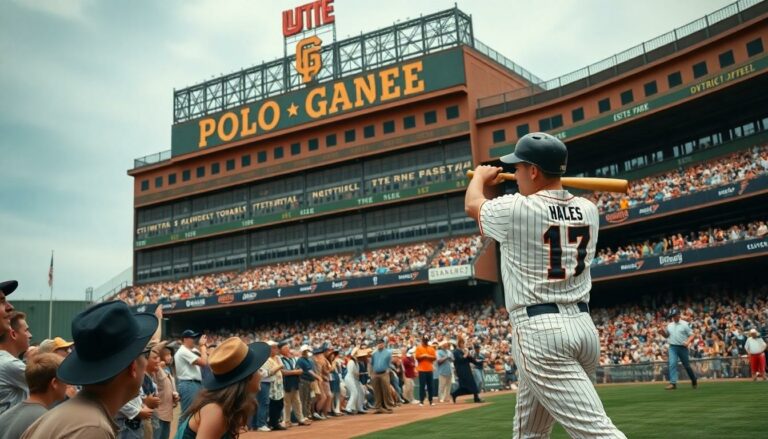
{"points": [[332, 211]]}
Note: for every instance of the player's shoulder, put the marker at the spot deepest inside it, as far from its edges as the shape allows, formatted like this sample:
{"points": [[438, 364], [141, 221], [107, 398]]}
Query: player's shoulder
{"points": [[585, 205], [503, 202]]}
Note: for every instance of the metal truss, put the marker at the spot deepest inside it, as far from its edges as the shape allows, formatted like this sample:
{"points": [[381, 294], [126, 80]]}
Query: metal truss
{"points": [[402, 41]]}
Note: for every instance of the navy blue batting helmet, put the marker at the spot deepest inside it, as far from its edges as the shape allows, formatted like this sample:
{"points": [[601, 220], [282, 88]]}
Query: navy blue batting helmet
{"points": [[540, 149]]}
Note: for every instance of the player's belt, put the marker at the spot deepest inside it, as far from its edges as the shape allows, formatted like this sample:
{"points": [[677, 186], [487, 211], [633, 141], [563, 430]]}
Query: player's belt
{"points": [[551, 308]]}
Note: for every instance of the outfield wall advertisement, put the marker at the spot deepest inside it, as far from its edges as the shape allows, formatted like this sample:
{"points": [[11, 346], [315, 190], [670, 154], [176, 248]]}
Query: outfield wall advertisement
{"points": [[747, 247], [382, 280]]}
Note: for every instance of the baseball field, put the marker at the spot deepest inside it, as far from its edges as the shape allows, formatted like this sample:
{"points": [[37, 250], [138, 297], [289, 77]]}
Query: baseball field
{"points": [[730, 410]]}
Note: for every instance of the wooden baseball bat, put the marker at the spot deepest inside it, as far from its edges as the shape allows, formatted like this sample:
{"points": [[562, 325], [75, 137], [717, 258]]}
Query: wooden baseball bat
{"points": [[586, 183]]}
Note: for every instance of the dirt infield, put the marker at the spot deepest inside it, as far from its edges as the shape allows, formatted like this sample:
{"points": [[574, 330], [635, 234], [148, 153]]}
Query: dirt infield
{"points": [[358, 425]]}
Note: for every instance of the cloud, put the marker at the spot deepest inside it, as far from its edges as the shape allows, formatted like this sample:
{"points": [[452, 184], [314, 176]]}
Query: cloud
{"points": [[74, 10], [87, 86]]}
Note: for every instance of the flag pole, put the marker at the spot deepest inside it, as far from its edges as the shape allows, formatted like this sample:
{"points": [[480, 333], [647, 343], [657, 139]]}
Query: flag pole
{"points": [[50, 300]]}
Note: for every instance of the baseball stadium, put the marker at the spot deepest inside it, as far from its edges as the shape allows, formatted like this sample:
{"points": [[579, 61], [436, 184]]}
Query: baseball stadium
{"points": [[318, 201]]}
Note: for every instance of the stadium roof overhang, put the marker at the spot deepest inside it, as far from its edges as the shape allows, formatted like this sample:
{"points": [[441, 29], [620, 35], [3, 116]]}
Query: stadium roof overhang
{"points": [[695, 118]]}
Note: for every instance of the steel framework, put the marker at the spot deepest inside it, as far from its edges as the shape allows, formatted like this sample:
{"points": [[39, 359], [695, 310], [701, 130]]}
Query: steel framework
{"points": [[399, 42]]}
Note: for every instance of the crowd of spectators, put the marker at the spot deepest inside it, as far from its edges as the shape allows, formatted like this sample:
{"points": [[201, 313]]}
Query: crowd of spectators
{"points": [[708, 237], [720, 319], [485, 327], [680, 182], [397, 259], [458, 251], [629, 334]]}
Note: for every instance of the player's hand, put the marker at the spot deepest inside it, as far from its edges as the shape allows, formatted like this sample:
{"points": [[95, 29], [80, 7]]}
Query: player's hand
{"points": [[152, 402], [488, 174], [203, 340], [145, 413]]}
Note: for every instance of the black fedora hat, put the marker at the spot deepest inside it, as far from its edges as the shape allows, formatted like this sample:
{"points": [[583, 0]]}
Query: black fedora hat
{"points": [[320, 350], [188, 333], [233, 361], [108, 337], [8, 286]]}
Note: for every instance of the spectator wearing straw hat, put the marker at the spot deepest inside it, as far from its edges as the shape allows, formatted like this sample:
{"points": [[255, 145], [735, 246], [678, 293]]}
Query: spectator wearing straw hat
{"points": [[363, 359], [227, 400], [444, 370], [335, 382], [109, 361], [57, 346]]}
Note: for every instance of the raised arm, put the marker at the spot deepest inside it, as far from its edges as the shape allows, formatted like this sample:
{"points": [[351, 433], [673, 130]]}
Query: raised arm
{"points": [[481, 189]]}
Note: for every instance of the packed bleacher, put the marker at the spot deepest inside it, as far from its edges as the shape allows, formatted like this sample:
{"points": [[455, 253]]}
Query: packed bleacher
{"points": [[629, 334], [680, 182], [457, 251], [401, 258], [707, 237], [720, 318]]}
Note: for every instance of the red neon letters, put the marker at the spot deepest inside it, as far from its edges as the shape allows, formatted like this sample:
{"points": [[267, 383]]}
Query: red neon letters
{"points": [[309, 16]]}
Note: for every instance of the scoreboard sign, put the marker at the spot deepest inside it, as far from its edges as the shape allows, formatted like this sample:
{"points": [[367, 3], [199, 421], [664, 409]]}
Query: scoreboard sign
{"points": [[430, 73], [318, 101], [302, 19]]}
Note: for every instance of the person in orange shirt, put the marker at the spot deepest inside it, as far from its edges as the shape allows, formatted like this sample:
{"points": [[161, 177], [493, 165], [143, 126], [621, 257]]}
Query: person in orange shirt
{"points": [[425, 355], [624, 204]]}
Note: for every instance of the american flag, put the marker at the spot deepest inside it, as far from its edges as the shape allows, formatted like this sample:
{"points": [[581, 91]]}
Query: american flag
{"points": [[50, 273]]}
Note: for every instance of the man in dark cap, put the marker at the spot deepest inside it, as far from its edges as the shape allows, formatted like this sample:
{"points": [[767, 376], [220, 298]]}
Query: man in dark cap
{"points": [[188, 366], [109, 361], [679, 337], [6, 308]]}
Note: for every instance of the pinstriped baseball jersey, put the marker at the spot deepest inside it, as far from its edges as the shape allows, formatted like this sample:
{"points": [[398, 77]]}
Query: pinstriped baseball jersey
{"points": [[547, 243]]}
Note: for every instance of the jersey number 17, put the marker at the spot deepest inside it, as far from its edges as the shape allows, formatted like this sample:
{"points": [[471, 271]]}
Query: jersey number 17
{"points": [[576, 234]]}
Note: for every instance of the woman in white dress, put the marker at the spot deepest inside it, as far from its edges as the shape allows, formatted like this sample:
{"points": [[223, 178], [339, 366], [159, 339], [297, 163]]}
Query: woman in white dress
{"points": [[352, 383]]}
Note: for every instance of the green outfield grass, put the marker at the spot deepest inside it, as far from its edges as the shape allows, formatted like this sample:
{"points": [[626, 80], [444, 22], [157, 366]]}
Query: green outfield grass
{"points": [[730, 410]]}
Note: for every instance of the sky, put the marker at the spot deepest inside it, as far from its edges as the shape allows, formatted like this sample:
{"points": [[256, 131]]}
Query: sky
{"points": [[86, 86]]}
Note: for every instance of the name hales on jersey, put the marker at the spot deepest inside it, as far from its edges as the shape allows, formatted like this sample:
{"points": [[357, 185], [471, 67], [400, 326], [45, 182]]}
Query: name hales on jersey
{"points": [[562, 213]]}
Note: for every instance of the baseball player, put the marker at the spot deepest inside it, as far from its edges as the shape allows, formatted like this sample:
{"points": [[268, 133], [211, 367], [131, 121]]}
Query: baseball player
{"points": [[547, 238]]}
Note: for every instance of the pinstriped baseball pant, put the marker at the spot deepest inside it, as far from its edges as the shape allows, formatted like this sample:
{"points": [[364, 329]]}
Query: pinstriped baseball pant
{"points": [[557, 356]]}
